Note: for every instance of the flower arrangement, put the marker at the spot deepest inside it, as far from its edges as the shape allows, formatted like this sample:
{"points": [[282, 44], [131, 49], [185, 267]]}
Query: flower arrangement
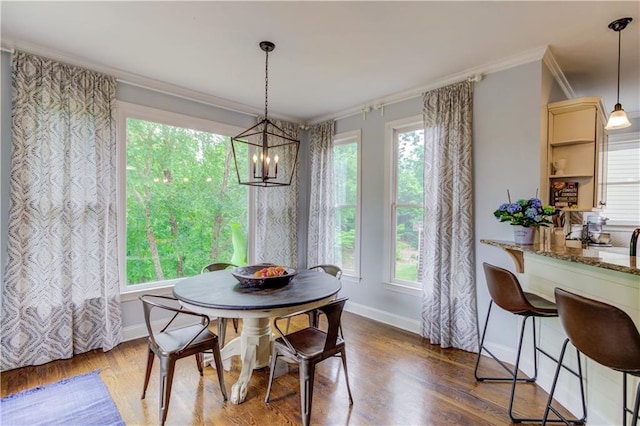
{"points": [[526, 213]]}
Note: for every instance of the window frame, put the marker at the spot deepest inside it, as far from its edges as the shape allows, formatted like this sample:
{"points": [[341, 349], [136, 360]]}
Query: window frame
{"points": [[615, 140], [345, 138], [125, 110], [392, 129]]}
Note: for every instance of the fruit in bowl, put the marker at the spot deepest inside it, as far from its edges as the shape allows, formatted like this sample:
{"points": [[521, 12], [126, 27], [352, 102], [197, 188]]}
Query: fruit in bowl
{"points": [[264, 275], [271, 271]]}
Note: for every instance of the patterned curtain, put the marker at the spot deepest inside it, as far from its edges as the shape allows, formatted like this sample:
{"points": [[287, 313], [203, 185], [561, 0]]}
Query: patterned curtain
{"points": [[61, 290], [276, 216], [321, 203], [449, 293]]}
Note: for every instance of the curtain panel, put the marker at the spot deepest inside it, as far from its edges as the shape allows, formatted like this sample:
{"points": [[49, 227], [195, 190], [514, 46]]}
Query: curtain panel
{"points": [[321, 199], [61, 290], [449, 293], [276, 215]]}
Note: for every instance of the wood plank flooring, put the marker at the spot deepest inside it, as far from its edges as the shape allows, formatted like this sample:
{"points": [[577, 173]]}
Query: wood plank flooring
{"points": [[397, 378]]}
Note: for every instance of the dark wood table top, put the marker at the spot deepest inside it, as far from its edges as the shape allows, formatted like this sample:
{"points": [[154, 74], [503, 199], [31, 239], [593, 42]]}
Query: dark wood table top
{"points": [[221, 290]]}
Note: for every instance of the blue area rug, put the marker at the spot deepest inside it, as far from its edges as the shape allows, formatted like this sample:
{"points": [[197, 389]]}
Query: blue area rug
{"points": [[81, 400]]}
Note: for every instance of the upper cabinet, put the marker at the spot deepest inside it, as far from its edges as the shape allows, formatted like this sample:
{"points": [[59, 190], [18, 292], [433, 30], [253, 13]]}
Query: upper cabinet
{"points": [[576, 154]]}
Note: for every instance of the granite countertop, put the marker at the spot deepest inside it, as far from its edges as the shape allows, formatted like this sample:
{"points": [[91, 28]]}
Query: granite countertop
{"points": [[612, 258]]}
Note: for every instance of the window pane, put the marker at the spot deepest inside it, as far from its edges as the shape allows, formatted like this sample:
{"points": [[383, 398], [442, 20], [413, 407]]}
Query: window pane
{"points": [[408, 228], [623, 183], [181, 201], [345, 238], [410, 163], [345, 169]]}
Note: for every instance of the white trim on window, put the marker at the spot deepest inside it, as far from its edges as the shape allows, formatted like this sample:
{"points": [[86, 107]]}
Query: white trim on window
{"points": [[354, 136], [392, 128]]}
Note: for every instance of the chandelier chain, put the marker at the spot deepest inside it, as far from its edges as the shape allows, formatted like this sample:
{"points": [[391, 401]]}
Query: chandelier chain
{"points": [[266, 83]]}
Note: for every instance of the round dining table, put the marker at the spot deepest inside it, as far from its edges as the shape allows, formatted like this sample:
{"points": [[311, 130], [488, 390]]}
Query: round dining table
{"points": [[219, 294]]}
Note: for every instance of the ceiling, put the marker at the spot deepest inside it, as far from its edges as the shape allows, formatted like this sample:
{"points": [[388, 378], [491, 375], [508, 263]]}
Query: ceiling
{"points": [[330, 57]]}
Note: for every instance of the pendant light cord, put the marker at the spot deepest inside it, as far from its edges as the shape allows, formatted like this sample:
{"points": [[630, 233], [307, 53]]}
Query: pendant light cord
{"points": [[619, 38]]}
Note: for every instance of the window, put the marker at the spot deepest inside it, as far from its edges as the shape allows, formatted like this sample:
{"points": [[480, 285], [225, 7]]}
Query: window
{"points": [[623, 180], [346, 169], [183, 204], [405, 201]]}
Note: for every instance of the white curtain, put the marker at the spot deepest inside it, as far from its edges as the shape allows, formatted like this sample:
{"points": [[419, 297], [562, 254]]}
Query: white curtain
{"points": [[276, 215], [321, 198], [449, 293], [61, 291]]}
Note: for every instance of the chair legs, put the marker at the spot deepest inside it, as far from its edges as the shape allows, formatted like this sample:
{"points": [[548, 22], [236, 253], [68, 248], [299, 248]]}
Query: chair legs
{"points": [[307, 374], [166, 381], [150, 359], [561, 418], [513, 374], [636, 405]]}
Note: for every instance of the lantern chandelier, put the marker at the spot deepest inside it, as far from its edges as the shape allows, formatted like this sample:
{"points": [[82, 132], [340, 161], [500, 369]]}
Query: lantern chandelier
{"points": [[618, 118], [265, 155]]}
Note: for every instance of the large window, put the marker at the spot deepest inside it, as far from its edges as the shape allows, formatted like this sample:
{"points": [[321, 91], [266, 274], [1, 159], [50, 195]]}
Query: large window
{"points": [[623, 180], [184, 207], [405, 199], [346, 168]]}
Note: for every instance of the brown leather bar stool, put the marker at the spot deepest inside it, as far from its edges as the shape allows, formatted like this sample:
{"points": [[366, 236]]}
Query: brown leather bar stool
{"points": [[506, 292], [605, 334]]}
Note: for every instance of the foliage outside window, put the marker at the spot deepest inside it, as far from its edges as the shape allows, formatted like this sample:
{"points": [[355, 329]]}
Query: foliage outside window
{"points": [[182, 202], [407, 194], [347, 195]]}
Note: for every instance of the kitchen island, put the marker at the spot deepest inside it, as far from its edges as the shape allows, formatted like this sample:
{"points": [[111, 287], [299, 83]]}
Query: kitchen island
{"points": [[606, 274]]}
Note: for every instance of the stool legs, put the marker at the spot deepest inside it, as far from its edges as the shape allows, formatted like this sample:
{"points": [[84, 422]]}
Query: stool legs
{"points": [[513, 374], [636, 405], [561, 418]]}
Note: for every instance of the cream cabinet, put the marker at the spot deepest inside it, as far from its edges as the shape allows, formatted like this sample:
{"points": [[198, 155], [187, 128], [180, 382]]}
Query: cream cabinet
{"points": [[576, 154]]}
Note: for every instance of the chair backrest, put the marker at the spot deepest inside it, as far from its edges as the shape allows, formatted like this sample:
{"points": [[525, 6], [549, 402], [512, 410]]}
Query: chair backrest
{"points": [[333, 311], [505, 289], [218, 266], [151, 302], [329, 269], [601, 331]]}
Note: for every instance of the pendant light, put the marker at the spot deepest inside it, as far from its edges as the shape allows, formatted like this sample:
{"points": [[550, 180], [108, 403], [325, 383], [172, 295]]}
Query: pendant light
{"points": [[618, 118], [265, 155]]}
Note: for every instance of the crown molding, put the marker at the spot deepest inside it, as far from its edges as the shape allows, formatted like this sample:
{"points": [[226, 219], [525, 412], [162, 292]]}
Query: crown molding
{"points": [[138, 80], [551, 63], [522, 58]]}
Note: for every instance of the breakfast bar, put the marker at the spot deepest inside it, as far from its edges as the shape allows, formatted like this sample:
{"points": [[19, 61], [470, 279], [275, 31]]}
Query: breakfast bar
{"points": [[606, 274]]}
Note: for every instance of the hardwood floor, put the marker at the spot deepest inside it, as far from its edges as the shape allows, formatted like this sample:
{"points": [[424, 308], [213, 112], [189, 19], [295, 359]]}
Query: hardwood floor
{"points": [[397, 378]]}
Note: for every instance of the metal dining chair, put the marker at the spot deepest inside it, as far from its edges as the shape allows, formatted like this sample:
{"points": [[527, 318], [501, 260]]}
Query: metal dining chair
{"points": [[222, 322], [170, 343], [313, 315], [308, 347]]}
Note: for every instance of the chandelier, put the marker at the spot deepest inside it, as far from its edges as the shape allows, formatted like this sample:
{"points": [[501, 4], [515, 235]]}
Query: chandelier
{"points": [[265, 155]]}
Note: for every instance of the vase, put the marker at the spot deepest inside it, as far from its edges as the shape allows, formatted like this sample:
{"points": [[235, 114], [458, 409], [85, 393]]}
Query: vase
{"points": [[523, 234]]}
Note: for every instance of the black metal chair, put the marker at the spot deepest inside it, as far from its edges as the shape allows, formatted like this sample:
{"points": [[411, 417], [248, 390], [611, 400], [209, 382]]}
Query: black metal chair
{"points": [[506, 292], [222, 322], [172, 343], [605, 334], [313, 315], [308, 347]]}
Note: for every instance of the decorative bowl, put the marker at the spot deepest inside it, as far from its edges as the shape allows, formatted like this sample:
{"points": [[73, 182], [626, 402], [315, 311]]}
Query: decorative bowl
{"points": [[246, 278]]}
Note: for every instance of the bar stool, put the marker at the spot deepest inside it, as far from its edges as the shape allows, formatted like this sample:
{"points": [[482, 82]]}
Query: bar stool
{"points": [[606, 335], [506, 292]]}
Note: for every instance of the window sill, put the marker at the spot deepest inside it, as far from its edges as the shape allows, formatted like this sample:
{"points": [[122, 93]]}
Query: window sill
{"points": [[165, 290], [400, 288]]}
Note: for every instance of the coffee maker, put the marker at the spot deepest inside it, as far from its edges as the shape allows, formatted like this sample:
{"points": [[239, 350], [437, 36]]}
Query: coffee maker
{"points": [[593, 233]]}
